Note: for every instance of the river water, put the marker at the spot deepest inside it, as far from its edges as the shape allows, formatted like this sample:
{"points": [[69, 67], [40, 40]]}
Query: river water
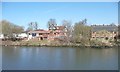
{"points": [[59, 58]]}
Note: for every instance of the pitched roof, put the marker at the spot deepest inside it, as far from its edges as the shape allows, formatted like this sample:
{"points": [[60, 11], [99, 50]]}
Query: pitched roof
{"points": [[104, 27], [58, 31], [39, 31], [60, 27]]}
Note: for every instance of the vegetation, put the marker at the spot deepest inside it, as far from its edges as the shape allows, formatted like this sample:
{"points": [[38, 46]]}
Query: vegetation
{"points": [[81, 32], [52, 24], [9, 29], [32, 26], [68, 30], [77, 34]]}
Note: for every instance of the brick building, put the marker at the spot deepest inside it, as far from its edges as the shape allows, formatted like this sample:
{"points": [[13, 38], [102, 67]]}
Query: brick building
{"points": [[41, 34], [104, 32]]}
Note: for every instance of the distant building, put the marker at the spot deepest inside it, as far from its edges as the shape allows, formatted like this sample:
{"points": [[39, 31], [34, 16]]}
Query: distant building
{"points": [[2, 36], [41, 34], [106, 32], [58, 33], [23, 35]]}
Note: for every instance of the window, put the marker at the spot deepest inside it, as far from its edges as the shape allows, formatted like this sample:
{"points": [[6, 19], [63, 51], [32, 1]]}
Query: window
{"points": [[114, 32], [40, 33], [115, 37], [106, 38], [33, 34], [41, 38]]}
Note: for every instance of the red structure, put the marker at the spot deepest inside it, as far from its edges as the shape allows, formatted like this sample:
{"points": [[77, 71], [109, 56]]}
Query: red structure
{"points": [[40, 34]]}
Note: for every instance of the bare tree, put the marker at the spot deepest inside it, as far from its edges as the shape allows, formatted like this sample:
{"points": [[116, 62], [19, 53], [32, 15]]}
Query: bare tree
{"points": [[17, 29], [52, 24], [36, 26], [68, 29], [32, 26]]}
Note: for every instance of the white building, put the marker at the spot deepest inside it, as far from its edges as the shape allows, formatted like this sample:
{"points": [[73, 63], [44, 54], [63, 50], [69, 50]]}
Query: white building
{"points": [[22, 35], [1, 36], [40, 34]]}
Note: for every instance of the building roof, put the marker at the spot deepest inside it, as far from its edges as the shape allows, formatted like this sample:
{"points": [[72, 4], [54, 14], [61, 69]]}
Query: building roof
{"points": [[60, 27], [58, 31], [110, 28], [39, 31]]}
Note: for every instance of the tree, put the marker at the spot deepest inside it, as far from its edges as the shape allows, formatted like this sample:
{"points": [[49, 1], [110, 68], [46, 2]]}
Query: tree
{"points": [[17, 29], [84, 21], [81, 32], [52, 24], [36, 26], [112, 24], [6, 27], [68, 30], [9, 28], [32, 26]]}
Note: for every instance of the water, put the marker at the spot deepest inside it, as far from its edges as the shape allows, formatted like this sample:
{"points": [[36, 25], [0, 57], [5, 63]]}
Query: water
{"points": [[59, 58]]}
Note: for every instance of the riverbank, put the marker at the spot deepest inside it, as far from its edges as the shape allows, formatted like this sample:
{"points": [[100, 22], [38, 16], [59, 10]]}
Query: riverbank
{"points": [[49, 44]]}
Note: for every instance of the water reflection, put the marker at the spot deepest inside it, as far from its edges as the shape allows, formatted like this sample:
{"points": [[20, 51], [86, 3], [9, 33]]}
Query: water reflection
{"points": [[59, 58]]}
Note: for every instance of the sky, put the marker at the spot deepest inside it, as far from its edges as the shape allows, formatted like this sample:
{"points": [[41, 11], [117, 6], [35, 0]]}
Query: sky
{"points": [[22, 13], [60, 0]]}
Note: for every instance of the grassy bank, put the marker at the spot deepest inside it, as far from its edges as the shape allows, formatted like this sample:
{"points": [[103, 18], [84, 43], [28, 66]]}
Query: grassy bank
{"points": [[47, 43]]}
